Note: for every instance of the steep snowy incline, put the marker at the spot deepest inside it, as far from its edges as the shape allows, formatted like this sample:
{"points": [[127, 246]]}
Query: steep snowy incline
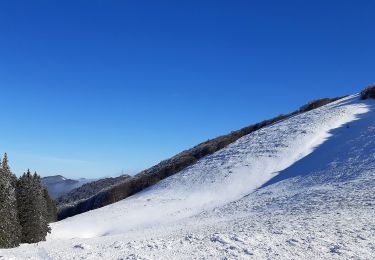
{"points": [[317, 201], [215, 180]]}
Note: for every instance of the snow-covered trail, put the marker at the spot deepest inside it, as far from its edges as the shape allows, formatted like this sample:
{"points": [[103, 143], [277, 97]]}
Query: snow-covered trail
{"points": [[215, 180], [317, 200]]}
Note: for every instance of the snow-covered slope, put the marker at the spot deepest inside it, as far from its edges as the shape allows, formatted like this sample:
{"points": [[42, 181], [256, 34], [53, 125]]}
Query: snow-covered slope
{"points": [[303, 187]]}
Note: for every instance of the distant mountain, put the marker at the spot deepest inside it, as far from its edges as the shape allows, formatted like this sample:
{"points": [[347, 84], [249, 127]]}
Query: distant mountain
{"points": [[87, 190], [58, 185]]}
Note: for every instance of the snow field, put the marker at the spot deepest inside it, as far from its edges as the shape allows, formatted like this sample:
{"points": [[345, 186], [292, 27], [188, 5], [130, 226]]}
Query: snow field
{"points": [[303, 188]]}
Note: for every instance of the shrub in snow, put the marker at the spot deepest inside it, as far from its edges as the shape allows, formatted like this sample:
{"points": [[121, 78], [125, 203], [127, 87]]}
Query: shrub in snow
{"points": [[368, 92], [317, 103]]}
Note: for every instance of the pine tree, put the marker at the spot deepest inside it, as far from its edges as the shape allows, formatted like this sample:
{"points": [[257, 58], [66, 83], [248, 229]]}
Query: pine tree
{"points": [[43, 208], [10, 230], [51, 207], [25, 208], [32, 208], [5, 165]]}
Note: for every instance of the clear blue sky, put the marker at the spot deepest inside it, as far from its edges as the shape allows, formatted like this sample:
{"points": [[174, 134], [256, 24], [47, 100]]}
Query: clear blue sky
{"points": [[90, 88]]}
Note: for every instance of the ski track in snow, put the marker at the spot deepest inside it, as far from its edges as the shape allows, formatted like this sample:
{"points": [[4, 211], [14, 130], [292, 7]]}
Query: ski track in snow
{"points": [[318, 173]]}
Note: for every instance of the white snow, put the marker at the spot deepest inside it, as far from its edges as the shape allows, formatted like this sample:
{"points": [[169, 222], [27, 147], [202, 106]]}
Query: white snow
{"points": [[301, 188]]}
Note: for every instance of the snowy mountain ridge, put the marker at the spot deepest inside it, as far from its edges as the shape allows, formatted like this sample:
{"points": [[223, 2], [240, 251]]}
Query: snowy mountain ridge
{"points": [[300, 188]]}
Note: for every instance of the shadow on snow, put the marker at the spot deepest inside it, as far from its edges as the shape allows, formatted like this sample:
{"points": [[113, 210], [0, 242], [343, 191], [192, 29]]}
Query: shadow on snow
{"points": [[353, 141]]}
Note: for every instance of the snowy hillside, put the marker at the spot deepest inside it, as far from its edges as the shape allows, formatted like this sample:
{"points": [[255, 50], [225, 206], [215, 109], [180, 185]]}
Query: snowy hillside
{"points": [[59, 185], [301, 188]]}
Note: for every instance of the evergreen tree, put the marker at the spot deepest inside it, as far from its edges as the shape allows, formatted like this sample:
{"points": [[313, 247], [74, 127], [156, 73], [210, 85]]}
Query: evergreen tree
{"points": [[10, 229], [51, 207], [25, 208], [5, 165], [32, 208], [6, 168]]}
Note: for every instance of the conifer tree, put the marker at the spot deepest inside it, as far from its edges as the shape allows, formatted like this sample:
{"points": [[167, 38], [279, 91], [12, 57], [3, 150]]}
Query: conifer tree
{"points": [[32, 208], [6, 168], [51, 207], [25, 208], [10, 229], [5, 165]]}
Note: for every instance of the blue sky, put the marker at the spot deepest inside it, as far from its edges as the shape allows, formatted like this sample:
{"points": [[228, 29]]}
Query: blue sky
{"points": [[94, 88]]}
